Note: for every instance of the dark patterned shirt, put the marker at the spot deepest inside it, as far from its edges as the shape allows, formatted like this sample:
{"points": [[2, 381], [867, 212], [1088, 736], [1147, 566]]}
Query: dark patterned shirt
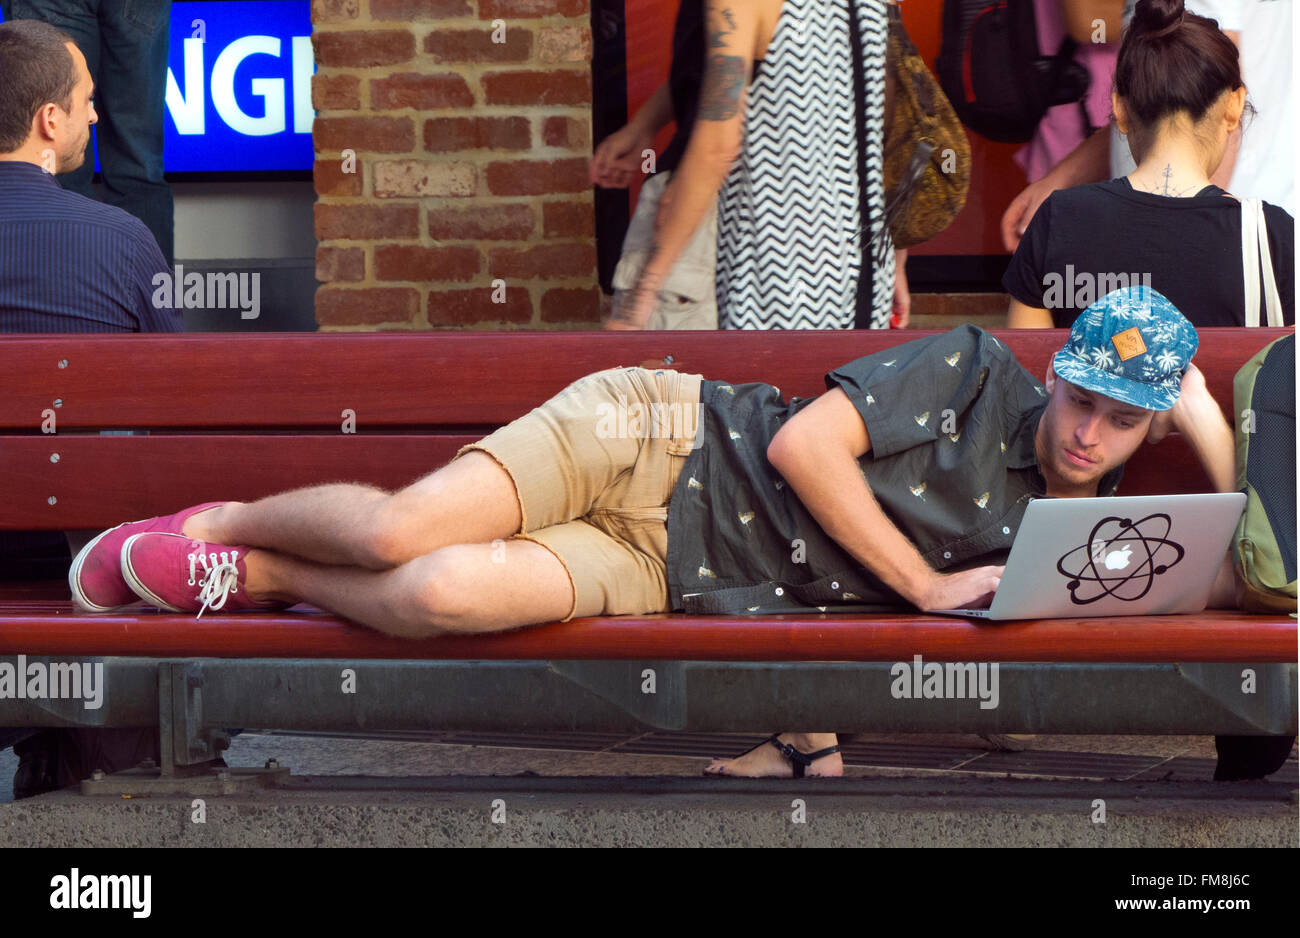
{"points": [[952, 463]]}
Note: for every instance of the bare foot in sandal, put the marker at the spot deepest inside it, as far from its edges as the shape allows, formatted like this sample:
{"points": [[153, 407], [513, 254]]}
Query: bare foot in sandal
{"points": [[785, 756]]}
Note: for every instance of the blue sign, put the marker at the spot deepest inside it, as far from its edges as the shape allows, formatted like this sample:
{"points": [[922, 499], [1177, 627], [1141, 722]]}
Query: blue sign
{"points": [[239, 86]]}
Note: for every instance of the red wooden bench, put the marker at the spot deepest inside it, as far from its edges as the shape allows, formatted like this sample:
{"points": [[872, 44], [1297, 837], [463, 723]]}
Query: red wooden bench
{"points": [[239, 417]]}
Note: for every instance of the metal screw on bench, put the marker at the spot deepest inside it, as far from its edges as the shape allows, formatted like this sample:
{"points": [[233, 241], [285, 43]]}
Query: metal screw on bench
{"points": [[64, 363], [223, 776], [52, 500], [668, 359], [58, 402], [54, 457]]}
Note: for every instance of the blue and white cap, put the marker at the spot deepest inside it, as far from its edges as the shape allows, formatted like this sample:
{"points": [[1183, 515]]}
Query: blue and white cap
{"points": [[1132, 345]]}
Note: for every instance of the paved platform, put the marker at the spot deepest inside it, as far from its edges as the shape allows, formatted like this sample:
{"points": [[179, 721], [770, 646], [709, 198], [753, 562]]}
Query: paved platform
{"points": [[458, 789]]}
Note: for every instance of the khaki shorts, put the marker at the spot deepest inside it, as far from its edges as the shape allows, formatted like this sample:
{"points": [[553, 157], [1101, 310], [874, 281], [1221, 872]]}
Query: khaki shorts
{"points": [[686, 299], [594, 468]]}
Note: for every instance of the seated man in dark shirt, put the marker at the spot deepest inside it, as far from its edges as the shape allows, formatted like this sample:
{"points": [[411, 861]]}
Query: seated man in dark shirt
{"points": [[67, 264], [636, 491]]}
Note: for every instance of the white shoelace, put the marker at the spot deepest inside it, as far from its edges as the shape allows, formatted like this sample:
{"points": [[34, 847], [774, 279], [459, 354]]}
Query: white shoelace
{"points": [[219, 579]]}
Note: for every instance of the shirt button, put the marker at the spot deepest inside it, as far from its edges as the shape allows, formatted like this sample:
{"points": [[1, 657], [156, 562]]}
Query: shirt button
{"points": [[1006, 530], [779, 591], [834, 585], [947, 555]]}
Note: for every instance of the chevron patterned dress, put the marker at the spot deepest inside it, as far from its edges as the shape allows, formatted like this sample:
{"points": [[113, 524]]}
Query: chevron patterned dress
{"points": [[799, 209]]}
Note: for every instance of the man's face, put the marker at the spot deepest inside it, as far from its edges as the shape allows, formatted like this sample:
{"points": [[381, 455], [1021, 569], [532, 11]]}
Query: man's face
{"points": [[1084, 435], [73, 131]]}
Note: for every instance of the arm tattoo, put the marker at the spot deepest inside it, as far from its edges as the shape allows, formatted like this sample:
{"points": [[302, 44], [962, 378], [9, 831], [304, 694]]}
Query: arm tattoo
{"points": [[723, 82], [722, 31]]}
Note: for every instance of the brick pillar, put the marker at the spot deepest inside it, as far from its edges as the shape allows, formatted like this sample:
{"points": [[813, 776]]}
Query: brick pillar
{"points": [[452, 141]]}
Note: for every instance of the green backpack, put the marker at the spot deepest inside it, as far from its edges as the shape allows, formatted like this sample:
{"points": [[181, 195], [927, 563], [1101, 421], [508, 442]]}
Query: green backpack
{"points": [[1264, 547]]}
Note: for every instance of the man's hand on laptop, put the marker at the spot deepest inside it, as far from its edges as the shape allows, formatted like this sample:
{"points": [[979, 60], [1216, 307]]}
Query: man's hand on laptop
{"points": [[966, 589]]}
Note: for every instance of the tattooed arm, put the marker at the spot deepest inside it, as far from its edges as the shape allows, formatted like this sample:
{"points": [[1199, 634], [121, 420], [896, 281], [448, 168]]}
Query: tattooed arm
{"points": [[731, 27]]}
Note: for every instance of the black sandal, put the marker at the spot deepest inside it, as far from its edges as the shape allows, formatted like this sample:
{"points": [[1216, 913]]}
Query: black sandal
{"points": [[799, 761]]}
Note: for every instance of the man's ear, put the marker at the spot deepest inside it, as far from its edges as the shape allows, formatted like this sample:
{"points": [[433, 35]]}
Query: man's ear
{"points": [[1049, 381], [45, 123]]}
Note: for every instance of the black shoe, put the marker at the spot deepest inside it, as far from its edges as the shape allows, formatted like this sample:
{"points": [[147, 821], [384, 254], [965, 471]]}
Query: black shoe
{"points": [[1250, 757], [38, 758]]}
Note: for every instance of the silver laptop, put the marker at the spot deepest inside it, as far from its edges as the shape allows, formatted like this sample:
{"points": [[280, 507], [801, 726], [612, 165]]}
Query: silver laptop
{"points": [[1134, 556]]}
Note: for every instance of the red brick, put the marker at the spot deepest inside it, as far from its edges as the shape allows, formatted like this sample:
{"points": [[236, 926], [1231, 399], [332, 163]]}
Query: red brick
{"points": [[546, 262], [402, 262], [569, 132], [568, 220], [538, 177], [370, 134], [420, 91], [340, 264], [331, 180], [476, 45], [364, 49], [407, 10], [484, 223], [334, 11], [417, 179], [446, 134], [366, 222], [335, 92], [564, 44], [520, 9], [340, 306], [567, 304], [467, 307], [532, 88]]}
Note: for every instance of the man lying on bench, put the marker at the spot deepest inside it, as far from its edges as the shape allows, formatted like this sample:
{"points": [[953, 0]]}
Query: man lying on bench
{"points": [[638, 491]]}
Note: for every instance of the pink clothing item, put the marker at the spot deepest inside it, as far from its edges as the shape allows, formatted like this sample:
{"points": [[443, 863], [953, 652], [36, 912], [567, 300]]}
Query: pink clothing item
{"points": [[1062, 128]]}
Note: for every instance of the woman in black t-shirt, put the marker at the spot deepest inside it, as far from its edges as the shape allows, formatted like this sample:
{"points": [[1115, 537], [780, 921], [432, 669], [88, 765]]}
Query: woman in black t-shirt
{"points": [[1178, 98]]}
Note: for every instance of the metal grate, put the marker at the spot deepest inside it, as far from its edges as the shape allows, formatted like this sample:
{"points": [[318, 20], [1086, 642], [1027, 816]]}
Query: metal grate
{"points": [[972, 760]]}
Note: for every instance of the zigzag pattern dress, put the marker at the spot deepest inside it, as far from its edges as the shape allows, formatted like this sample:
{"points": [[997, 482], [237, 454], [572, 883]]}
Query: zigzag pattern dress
{"points": [[800, 207]]}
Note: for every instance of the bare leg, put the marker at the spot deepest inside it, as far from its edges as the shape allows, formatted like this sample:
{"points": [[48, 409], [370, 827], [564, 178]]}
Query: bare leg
{"points": [[470, 500], [462, 588], [766, 762]]}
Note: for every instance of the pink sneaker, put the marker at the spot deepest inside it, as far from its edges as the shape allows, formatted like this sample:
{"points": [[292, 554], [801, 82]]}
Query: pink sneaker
{"points": [[95, 576], [174, 572]]}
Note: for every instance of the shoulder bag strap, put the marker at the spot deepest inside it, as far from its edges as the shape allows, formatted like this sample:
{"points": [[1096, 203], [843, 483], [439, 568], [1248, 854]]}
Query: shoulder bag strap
{"points": [[1272, 299], [1250, 259]]}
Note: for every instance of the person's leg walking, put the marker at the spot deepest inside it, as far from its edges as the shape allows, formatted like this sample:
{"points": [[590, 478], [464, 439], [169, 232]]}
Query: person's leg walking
{"points": [[130, 99]]}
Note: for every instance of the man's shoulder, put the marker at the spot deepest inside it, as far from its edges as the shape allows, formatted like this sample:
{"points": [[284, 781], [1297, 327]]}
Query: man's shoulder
{"points": [[79, 210]]}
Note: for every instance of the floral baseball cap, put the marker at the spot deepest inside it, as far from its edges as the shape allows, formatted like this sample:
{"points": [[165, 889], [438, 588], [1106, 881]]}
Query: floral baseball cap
{"points": [[1132, 345]]}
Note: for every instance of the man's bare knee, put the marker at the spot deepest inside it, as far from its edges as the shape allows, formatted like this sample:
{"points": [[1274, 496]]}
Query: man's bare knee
{"points": [[386, 541], [432, 595]]}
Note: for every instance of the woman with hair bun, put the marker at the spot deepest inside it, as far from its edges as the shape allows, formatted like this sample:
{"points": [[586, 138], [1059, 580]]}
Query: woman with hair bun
{"points": [[1178, 97]]}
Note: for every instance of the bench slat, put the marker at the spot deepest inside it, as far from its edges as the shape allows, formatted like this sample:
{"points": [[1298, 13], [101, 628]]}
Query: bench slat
{"points": [[296, 380], [98, 482], [56, 628], [103, 481]]}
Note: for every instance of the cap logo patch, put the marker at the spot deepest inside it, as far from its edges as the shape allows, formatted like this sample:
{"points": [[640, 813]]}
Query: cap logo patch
{"points": [[1129, 343]]}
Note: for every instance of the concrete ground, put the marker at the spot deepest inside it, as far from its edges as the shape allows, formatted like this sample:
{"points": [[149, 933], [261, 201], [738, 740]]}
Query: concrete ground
{"points": [[587, 789]]}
